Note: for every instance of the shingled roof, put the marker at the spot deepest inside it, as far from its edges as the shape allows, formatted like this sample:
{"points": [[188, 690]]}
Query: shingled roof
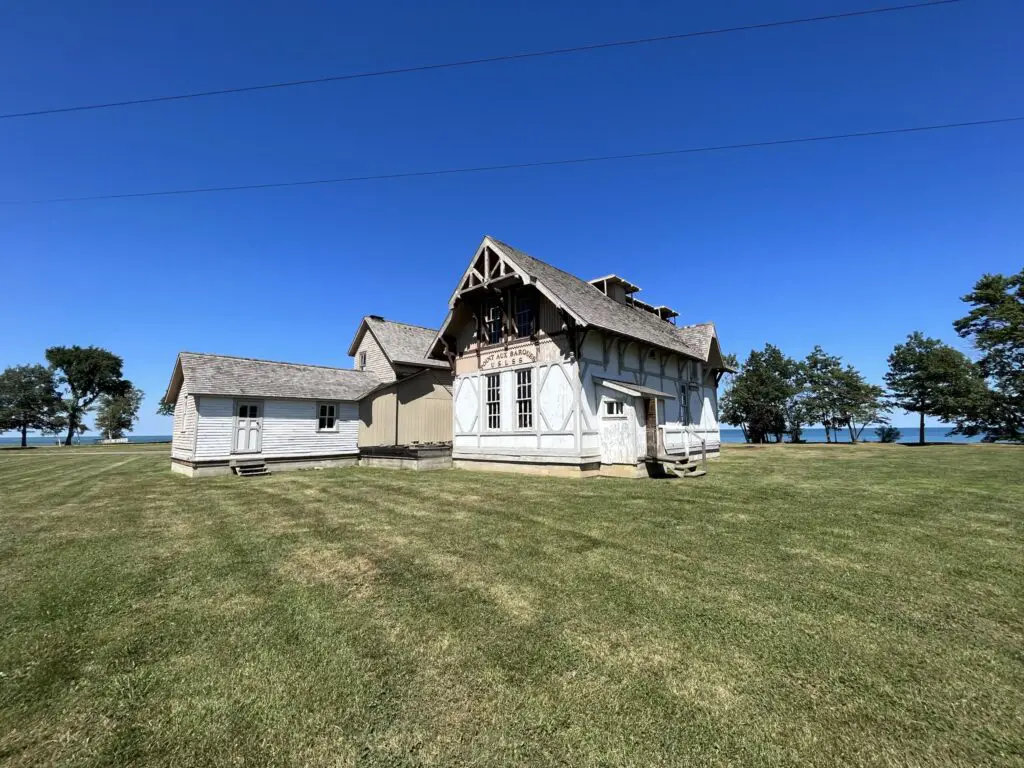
{"points": [[403, 344], [596, 309], [205, 374]]}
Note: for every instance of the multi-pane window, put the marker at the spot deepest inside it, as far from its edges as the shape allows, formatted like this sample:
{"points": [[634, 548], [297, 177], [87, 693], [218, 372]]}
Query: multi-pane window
{"points": [[493, 401], [613, 407], [524, 398], [492, 322], [326, 419], [525, 315]]}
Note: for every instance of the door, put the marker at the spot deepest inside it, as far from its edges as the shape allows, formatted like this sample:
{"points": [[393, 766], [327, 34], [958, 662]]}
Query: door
{"points": [[248, 427], [651, 426]]}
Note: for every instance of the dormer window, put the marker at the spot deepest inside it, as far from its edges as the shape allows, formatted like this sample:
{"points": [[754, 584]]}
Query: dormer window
{"points": [[525, 313], [492, 322]]}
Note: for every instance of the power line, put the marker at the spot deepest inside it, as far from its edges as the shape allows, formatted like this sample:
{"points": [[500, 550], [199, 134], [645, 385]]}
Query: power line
{"points": [[475, 62], [515, 166]]}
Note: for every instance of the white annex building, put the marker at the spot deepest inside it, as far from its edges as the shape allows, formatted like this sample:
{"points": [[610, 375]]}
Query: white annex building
{"points": [[556, 374]]}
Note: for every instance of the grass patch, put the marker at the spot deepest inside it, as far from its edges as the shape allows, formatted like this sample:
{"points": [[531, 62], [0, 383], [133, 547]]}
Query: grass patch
{"points": [[855, 605]]}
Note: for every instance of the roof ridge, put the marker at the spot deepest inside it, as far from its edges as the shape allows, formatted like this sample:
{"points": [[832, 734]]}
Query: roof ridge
{"points": [[272, 362], [399, 322]]}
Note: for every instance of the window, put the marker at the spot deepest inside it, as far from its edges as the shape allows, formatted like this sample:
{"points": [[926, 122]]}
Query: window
{"points": [[492, 322], [326, 420], [248, 411], [524, 398], [493, 401], [525, 314], [362, 361], [613, 408]]}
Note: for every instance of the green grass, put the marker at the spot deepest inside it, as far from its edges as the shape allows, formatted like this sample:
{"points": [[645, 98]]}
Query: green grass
{"points": [[798, 606]]}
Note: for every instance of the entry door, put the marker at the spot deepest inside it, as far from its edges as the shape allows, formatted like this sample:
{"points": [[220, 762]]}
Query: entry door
{"points": [[248, 427], [651, 426]]}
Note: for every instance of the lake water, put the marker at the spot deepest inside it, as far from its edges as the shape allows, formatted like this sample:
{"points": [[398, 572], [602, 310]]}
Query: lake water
{"points": [[908, 435], [83, 440]]}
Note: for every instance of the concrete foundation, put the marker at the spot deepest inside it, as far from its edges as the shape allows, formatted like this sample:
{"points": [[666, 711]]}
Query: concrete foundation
{"points": [[414, 457], [214, 468]]}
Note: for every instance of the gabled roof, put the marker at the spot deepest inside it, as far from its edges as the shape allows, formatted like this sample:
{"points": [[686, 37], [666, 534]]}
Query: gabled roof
{"points": [[403, 344], [594, 308], [205, 374]]}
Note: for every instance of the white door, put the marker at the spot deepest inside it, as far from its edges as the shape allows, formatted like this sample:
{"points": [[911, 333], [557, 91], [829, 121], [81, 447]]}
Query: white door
{"points": [[248, 427]]}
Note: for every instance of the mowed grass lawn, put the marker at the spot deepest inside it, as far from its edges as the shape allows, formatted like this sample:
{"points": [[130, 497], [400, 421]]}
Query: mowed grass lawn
{"points": [[799, 605]]}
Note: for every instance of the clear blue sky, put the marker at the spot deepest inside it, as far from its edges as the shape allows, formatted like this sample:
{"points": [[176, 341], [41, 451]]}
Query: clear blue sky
{"points": [[849, 245]]}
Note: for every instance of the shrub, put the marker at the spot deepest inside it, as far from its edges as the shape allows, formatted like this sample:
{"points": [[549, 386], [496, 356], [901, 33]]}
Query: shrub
{"points": [[888, 434]]}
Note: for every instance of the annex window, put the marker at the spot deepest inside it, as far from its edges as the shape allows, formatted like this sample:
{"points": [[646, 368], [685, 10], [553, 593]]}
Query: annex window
{"points": [[613, 408], [362, 361], [492, 322], [493, 401], [525, 313], [524, 398], [326, 418]]}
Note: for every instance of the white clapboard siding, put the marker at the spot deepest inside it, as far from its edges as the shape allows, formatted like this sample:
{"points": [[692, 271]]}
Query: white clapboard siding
{"points": [[184, 425], [290, 429], [376, 361], [216, 423]]}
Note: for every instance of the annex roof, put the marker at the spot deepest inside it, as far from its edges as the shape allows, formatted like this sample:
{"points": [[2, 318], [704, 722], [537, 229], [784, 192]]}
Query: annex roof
{"points": [[403, 344], [205, 374]]}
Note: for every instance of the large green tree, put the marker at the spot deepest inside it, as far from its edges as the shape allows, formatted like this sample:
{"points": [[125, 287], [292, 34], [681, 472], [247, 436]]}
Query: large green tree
{"points": [[28, 400], [930, 378], [117, 414], [995, 326], [85, 374], [761, 395]]}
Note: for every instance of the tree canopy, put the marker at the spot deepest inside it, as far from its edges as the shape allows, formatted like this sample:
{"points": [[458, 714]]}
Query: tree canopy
{"points": [[995, 326], [761, 394], [28, 400], [86, 373], [930, 378], [117, 414]]}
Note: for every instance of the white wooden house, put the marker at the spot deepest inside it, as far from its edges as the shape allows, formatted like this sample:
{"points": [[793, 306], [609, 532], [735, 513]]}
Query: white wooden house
{"points": [[242, 415], [556, 374]]}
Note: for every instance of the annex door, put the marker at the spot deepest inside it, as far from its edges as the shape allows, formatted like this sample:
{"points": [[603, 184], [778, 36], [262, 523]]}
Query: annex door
{"points": [[248, 428], [651, 426]]}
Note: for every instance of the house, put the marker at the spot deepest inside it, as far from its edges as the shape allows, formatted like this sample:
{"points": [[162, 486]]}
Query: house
{"points": [[555, 374], [236, 414], [413, 405]]}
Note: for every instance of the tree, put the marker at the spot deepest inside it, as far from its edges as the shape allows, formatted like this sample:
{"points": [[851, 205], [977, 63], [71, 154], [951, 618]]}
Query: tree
{"points": [[888, 434], [820, 377], [930, 378], [995, 326], [87, 373], [859, 403], [165, 408], [28, 399], [761, 394], [117, 414]]}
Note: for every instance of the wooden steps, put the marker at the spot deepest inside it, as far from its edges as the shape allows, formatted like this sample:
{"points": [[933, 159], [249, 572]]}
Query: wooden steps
{"points": [[251, 469], [680, 466]]}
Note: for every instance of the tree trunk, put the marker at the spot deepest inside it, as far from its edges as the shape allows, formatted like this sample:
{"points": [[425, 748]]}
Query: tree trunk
{"points": [[71, 430], [921, 438], [24, 436]]}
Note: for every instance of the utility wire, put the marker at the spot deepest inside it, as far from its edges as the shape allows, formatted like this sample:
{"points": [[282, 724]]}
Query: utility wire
{"points": [[534, 164], [474, 62]]}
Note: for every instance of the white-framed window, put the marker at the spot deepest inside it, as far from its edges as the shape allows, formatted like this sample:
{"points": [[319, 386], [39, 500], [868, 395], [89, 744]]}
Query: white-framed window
{"points": [[524, 398], [613, 408], [326, 417], [494, 401], [362, 361]]}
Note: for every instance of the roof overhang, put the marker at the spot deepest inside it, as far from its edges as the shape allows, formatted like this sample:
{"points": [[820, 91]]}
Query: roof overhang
{"points": [[174, 385], [635, 390]]}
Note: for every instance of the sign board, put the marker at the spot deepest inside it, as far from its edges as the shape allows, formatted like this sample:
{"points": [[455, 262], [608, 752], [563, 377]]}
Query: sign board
{"points": [[507, 358]]}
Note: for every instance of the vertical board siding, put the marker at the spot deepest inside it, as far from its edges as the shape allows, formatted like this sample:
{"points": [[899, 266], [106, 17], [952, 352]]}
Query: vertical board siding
{"points": [[377, 418], [421, 406], [376, 362]]}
